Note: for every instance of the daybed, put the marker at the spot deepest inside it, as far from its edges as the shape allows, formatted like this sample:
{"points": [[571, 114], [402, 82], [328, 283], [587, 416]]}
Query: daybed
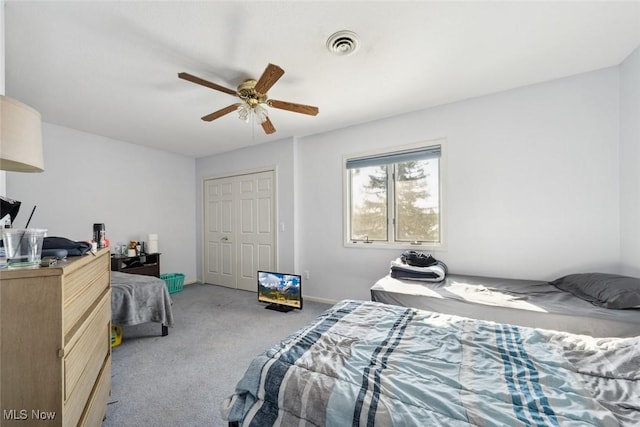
{"points": [[521, 302], [369, 363], [139, 299]]}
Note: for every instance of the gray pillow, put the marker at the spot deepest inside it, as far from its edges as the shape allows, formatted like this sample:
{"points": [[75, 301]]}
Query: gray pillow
{"points": [[604, 290]]}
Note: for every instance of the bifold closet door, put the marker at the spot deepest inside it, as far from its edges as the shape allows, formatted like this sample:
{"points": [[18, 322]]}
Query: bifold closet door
{"points": [[240, 229], [219, 232]]}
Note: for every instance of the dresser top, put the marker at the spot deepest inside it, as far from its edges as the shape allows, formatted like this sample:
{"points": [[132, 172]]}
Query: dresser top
{"points": [[65, 266]]}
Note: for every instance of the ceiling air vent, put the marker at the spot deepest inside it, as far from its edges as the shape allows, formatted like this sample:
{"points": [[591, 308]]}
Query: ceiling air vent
{"points": [[343, 43]]}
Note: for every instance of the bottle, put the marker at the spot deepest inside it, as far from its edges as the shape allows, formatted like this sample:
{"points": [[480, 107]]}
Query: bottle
{"points": [[99, 235], [143, 254]]}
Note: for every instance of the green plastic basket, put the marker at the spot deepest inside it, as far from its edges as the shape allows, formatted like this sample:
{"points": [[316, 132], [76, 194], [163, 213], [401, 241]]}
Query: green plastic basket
{"points": [[174, 281]]}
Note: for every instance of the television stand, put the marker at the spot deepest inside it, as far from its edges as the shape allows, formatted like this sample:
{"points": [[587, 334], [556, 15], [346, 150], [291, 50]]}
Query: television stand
{"points": [[279, 307]]}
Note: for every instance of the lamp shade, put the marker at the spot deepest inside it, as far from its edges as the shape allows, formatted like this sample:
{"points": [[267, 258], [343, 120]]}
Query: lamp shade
{"points": [[20, 137]]}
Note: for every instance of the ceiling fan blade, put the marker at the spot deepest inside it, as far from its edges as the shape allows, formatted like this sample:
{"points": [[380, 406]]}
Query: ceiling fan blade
{"points": [[268, 126], [296, 108], [198, 80], [220, 113], [268, 78]]}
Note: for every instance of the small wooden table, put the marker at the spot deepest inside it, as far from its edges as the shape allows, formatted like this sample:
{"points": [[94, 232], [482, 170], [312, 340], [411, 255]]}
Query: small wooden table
{"points": [[146, 265]]}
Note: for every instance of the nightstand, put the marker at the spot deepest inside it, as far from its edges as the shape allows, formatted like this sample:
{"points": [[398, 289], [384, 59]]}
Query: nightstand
{"points": [[146, 265]]}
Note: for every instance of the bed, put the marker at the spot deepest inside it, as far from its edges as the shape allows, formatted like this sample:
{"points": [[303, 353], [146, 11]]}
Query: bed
{"points": [[523, 302], [137, 299], [369, 363]]}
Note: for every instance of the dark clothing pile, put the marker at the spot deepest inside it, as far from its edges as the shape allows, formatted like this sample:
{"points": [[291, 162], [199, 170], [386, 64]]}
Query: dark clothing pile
{"points": [[413, 265]]}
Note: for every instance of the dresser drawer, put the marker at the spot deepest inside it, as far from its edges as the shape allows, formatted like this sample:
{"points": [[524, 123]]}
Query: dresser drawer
{"points": [[96, 408], [81, 289], [84, 361]]}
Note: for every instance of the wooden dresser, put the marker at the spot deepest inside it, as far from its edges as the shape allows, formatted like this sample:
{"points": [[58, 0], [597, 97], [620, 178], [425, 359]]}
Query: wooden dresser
{"points": [[55, 337]]}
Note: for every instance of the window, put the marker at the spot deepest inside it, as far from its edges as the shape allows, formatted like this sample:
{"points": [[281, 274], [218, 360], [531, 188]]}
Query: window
{"points": [[394, 198]]}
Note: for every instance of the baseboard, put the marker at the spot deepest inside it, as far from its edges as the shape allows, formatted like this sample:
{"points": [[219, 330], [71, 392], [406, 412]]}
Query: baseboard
{"points": [[317, 299], [304, 297]]}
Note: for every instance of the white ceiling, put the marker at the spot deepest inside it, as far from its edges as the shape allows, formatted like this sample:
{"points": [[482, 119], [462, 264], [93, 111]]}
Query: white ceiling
{"points": [[110, 68]]}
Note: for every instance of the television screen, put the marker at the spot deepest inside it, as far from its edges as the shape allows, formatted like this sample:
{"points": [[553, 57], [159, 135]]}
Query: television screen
{"points": [[282, 291]]}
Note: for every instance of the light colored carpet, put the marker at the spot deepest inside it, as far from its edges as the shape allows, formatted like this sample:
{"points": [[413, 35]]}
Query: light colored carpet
{"points": [[181, 379]]}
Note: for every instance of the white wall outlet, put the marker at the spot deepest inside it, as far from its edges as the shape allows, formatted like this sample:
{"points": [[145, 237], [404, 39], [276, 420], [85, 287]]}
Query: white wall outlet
{"points": [[306, 274]]}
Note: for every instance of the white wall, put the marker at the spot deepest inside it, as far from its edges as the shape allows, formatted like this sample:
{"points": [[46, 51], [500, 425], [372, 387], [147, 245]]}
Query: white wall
{"points": [[629, 163], [132, 189], [277, 155], [532, 186], [3, 176]]}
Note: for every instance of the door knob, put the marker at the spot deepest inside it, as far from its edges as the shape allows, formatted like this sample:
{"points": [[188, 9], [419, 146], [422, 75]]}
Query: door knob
{"points": [[224, 238]]}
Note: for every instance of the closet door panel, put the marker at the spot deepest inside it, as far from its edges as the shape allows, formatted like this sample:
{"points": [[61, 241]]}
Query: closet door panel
{"points": [[240, 229]]}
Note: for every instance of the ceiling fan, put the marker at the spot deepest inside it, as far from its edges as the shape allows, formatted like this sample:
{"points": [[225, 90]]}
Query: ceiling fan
{"points": [[254, 95]]}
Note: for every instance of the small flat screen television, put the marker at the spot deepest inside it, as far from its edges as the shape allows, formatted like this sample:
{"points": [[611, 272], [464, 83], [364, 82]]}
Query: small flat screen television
{"points": [[282, 291]]}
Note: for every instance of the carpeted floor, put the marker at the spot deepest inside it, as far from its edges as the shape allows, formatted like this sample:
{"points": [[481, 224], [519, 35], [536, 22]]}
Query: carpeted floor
{"points": [[181, 379]]}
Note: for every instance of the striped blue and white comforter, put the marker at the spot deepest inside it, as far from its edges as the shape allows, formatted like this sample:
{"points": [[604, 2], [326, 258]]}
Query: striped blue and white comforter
{"points": [[368, 363]]}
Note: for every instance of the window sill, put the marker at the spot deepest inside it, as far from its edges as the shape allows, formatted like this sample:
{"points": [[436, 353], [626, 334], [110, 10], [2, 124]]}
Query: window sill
{"points": [[436, 247]]}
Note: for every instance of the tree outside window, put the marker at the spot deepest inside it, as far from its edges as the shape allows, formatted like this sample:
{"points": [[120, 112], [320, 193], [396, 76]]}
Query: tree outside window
{"points": [[417, 217], [369, 211]]}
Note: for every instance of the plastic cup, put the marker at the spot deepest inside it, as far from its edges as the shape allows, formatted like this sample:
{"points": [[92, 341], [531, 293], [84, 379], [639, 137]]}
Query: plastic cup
{"points": [[23, 247]]}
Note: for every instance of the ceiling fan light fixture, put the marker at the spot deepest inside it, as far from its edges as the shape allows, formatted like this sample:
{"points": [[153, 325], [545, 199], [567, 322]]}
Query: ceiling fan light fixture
{"points": [[256, 113], [261, 113], [343, 43], [244, 112]]}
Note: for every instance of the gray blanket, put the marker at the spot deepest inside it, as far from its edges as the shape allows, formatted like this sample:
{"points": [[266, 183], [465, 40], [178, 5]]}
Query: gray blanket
{"points": [[139, 299]]}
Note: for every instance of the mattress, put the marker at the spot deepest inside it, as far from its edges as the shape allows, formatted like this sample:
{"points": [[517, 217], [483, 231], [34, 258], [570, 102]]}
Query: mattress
{"points": [[367, 363], [521, 302]]}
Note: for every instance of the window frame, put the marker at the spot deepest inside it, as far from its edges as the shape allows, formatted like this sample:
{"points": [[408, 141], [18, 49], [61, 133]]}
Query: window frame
{"points": [[391, 201]]}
